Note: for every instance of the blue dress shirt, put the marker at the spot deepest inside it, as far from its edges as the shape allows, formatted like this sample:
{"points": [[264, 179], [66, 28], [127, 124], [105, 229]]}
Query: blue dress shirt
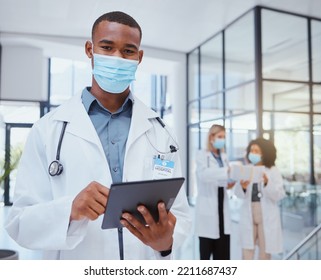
{"points": [[112, 129]]}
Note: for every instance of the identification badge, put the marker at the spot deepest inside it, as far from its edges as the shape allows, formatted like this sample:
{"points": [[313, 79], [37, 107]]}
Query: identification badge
{"points": [[163, 169]]}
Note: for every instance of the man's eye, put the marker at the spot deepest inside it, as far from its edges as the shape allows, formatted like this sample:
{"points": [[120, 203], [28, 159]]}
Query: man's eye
{"points": [[107, 48], [128, 51]]}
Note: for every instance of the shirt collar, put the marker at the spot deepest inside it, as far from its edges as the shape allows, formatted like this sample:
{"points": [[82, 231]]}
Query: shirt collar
{"points": [[88, 99]]}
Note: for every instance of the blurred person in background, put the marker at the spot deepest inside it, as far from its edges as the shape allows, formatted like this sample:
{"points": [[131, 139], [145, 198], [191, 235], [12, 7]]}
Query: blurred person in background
{"points": [[260, 221], [212, 221]]}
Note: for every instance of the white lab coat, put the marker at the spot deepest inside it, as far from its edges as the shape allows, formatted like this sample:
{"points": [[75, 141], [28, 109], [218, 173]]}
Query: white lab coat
{"points": [[209, 177], [39, 218], [272, 193]]}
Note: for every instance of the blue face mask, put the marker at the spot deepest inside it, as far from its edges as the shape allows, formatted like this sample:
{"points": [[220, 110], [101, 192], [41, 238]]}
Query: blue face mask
{"points": [[254, 158], [219, 143], [114, 74]]}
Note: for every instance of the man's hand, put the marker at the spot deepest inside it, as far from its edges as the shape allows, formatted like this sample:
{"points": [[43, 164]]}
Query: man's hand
{"points": [[90, 202], [157, 235]]}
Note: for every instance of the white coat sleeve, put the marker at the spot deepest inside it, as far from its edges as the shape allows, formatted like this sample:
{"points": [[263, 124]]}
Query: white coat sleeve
{"points": [[207, 173], [36, 220], [274, 190]]}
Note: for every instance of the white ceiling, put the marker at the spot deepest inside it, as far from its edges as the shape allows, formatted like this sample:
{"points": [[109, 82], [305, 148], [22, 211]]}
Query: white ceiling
{"points": [[178, 25]]}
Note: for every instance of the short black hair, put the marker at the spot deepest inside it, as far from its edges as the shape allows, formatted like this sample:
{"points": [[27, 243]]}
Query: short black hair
{"points": [[268, 151], [119, 17]]}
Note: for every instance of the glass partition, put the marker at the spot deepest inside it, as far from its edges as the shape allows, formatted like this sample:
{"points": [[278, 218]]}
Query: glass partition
{"points": [[240, 100], [291, 138], [287, 97], [311, 250], [239, 51], [285, 100], [316, 50], [277, 99], [317, 148], [211, 66], [212, 107], [193, 112], [301, 213], [317, 99], [193, 75], [284, 46]]}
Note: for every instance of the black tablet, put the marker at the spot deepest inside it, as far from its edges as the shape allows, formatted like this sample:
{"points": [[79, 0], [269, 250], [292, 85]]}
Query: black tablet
{"points": [[125, 197]]}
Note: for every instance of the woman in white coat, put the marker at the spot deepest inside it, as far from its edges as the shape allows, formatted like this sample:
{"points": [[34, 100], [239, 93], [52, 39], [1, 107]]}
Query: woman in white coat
{"points": [[62, 214], [260, 221], [212, 221]]}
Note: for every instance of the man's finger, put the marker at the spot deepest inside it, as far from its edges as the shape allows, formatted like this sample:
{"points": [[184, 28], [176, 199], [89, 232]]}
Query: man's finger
{"points": [[163, 217], [132, 221], [146, 215]]}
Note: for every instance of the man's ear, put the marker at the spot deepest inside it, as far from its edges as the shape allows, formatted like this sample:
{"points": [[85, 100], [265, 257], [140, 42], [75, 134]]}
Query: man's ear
{"points": [[141, 54], [89, 49]]}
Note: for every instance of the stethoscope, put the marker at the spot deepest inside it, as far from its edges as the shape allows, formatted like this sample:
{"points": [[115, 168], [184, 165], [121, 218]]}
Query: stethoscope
{"points": [[172, 148], [56, 168]]}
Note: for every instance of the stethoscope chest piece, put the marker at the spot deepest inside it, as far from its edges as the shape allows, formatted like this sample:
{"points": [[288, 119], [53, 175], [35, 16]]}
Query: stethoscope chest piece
{"points": [[55, 168]]}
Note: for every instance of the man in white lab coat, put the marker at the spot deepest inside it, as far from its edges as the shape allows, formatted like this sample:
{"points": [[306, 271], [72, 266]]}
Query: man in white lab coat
{"points": [[74, 153]]}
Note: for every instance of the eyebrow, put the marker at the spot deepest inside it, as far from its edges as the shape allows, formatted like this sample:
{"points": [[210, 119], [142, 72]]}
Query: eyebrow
{"points": [[131, 46], [105, 41]]}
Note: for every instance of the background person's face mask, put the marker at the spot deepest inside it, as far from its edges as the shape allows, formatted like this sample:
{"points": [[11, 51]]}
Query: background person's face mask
{"points": [[219, 143], [114, 74], [254, 158]]}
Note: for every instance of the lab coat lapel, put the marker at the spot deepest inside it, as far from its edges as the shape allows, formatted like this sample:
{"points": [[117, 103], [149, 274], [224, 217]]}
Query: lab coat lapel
{"points": [[79, 123], [140, 122]]}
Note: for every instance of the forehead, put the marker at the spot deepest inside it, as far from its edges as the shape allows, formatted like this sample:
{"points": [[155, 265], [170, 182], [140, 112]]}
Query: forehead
{"points": [[218, 133], [116, 32], [255, 147], [221, 132]]}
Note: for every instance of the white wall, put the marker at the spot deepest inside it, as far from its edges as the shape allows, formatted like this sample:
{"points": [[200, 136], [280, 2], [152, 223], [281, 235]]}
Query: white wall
{"points": [[24, 72]]}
